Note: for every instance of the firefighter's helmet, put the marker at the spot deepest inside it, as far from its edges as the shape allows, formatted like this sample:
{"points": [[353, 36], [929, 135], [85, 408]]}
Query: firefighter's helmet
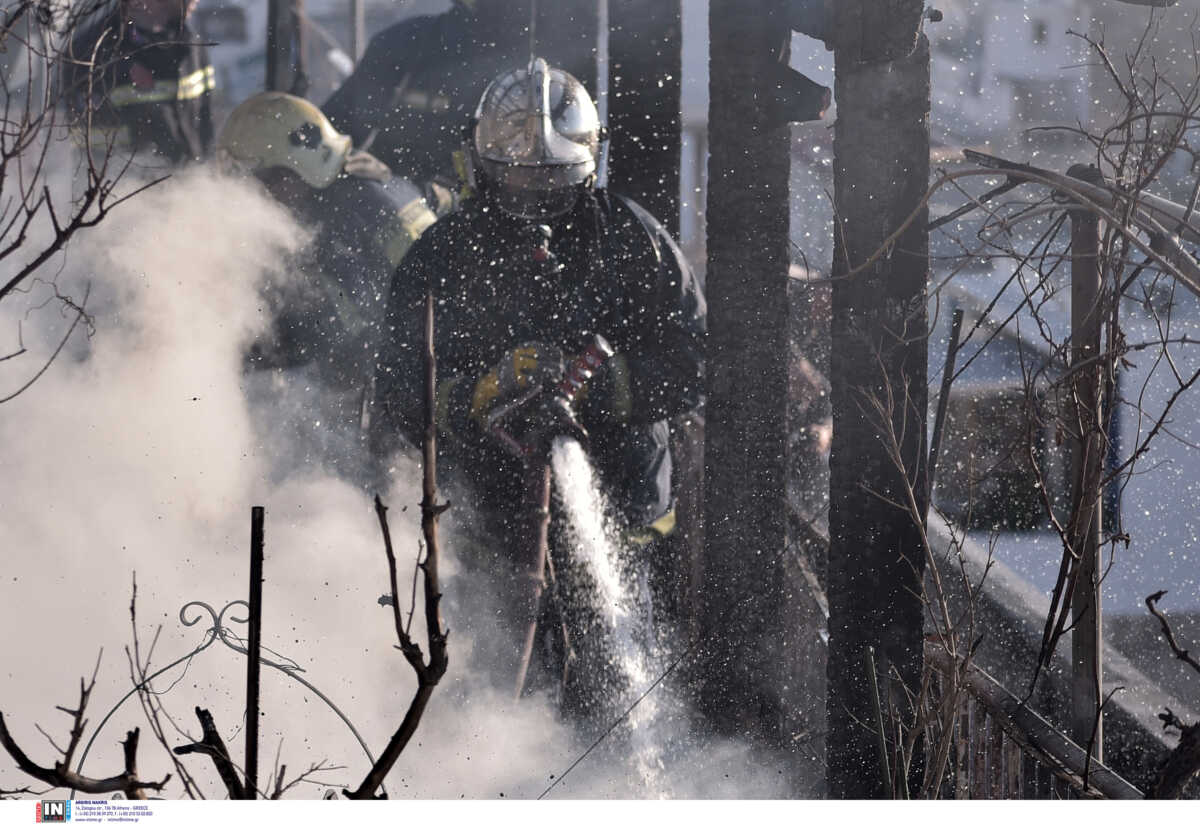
{"points": [[273, 130], [534, 141]]}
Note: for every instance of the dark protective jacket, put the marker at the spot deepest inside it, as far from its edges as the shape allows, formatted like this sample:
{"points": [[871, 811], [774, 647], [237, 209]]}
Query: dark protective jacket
{"points": [[147, 91], [622, 277], [418, 84], [329, 311]]}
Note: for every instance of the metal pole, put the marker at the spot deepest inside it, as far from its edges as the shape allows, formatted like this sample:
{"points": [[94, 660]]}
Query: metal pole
{"points": [[254, 649], [299, 85], [358, 30], [1087, 461], [285, 54], [939, 420]]}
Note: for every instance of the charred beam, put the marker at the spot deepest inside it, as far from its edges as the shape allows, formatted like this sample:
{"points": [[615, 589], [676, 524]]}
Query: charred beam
{"points": [[746, 431], [877, 462]]}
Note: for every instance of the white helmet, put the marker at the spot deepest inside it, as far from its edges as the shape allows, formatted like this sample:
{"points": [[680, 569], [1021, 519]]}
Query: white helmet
{"points": [[274, 130], [535, 140]]}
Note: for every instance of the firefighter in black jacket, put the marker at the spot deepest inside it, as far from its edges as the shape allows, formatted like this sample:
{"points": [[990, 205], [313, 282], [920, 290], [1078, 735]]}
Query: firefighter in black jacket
{"points": [[418, 83], [525, 277], [145, 77]]}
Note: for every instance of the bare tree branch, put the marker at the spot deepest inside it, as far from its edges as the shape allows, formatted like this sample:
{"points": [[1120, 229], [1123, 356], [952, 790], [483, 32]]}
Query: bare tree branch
{"points": [[150, 701], [304, 778], [1182, 654], [212, 745], [61, 774], [41, 212]]}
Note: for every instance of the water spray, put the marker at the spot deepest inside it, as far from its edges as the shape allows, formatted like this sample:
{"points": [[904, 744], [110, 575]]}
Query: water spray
{"points": [[527, 426]]}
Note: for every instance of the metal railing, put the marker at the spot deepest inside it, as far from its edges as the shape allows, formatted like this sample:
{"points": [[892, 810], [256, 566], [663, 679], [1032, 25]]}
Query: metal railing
{"points": [[1004, 750]]}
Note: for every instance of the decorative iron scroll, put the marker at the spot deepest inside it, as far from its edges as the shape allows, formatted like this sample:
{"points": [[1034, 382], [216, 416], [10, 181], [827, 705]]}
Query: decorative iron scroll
{"points": [[219, 631]]}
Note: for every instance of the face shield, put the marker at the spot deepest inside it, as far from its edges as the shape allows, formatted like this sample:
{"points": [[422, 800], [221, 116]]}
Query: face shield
{"points": [[535, 140]]}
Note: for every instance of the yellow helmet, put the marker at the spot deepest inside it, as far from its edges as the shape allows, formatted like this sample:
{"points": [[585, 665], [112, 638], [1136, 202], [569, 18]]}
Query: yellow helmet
{"points": [[278, 130]]}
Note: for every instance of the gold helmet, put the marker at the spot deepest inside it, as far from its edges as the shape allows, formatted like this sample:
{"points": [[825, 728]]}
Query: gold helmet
{"points": [[274, 130]]}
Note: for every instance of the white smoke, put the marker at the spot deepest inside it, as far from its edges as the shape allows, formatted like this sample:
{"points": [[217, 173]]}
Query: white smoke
{"points": [[137, 451]]}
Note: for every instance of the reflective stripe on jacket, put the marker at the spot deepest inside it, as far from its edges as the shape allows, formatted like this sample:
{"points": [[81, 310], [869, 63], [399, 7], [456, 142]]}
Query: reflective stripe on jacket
{"points": [[152, 91], [188, 87]]}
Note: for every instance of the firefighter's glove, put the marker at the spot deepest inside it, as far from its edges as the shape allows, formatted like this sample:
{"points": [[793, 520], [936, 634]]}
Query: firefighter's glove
{"points": [[523, 373], [528, 429], [520, 402], [365, 165], [465, 405]]}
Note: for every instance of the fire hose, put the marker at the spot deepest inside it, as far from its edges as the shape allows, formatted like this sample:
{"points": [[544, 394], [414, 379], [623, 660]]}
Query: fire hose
{"points": [[527, 427]]}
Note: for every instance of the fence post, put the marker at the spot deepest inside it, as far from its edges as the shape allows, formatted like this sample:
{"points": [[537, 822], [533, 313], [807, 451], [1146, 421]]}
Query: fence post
{"points": [[1087, 462], [254, 650]]}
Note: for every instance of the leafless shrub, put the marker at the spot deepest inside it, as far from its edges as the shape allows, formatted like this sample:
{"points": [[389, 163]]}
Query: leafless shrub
{"points": [[42, 208], [62, 773], [428, 671], [922, 725], [1019, 229], [168, 732]]}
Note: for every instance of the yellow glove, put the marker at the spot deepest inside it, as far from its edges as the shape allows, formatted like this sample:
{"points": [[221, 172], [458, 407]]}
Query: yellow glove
{"points": [[521, 369]]}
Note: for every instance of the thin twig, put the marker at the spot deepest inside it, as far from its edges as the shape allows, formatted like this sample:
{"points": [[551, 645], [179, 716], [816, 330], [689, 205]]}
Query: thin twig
{"points": [[1180, 653], [428, 673]]}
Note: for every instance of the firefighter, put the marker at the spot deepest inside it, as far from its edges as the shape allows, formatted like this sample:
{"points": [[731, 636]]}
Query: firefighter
{"points": [[327, 311], [538, 268], [418, 82], [142, 77]]}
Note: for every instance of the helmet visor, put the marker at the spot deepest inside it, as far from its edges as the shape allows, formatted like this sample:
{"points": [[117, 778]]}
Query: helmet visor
{"points": [[535, 192], [535, 204]]}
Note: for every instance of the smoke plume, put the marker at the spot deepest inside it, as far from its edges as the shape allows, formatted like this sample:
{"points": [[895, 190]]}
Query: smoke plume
{"points": [[138, 451]]}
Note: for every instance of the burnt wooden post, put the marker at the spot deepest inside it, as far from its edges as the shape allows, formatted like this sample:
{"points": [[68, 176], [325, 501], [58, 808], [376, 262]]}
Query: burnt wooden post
{"points": [[1087, 466], [285, 46], [879, 328], [645, 69], [254, 650], [746, 429]]}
